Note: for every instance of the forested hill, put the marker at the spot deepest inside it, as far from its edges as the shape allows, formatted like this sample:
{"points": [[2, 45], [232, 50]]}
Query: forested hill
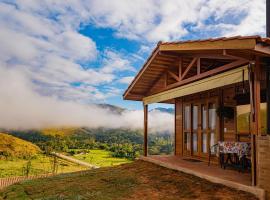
{"points": [[14, 147]]}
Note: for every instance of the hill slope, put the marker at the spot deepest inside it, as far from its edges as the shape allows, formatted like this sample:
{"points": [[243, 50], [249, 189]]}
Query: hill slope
{"points": [[64, 131], [137, 180], [11, 146]]}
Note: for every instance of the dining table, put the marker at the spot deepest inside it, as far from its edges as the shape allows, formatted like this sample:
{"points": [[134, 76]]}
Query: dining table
{"points": [[234, 154]]}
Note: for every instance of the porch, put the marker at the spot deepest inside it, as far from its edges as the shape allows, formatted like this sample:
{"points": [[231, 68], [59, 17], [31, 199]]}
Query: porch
{"points": [[213, 173], [220, 92]]}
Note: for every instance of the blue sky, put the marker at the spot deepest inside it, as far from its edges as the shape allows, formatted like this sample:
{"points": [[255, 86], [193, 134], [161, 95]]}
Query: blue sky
{"points": [[87, 52]]}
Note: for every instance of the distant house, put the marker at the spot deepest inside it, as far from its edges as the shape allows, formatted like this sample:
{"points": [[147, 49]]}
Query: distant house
{"points": [[212, 83]]}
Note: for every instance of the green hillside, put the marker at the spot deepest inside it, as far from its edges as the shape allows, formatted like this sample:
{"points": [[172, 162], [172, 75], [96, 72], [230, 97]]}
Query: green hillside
{"points": [[12, 147], [64, 131]]}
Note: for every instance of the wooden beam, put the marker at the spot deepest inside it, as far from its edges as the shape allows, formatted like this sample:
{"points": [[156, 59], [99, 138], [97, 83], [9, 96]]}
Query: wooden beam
{"points": [[146, 65], [210, 45], [145, 142], [173, 75], [165, 80], [219, 80], [198, 66], [164, 76], [225, 53], [188, 68], [209, 56], [262, 49], [180, 68], [208, 73]]}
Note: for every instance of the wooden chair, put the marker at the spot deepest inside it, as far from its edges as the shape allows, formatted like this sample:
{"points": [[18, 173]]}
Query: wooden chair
{"points": [[213, 150]]}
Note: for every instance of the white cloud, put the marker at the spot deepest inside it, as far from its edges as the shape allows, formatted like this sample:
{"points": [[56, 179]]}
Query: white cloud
{"points": [[115, 62], [23, 108], [42, 40], [126, 80], [155, 20]]}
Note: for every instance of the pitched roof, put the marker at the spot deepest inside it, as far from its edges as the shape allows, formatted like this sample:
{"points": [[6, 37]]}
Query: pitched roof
{"points": [[153, 68]]}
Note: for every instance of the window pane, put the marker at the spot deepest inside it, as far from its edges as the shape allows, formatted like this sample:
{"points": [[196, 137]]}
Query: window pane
{"points": [[195, 118], [195, 142], [187, 141], [212, 116], [187, 117], [212, 141], [204, 117], [204, 143]]}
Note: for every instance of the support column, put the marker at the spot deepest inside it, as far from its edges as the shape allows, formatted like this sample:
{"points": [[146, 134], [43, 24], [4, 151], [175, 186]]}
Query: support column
{"points": [[268, 98], [145, 130], [255, 101], [178, 146]]}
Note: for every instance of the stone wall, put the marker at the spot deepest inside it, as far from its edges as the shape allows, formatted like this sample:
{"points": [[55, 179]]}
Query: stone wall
{"points": [[263, 163]]}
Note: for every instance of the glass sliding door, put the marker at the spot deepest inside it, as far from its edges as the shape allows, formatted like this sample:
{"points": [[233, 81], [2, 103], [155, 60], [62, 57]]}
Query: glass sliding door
{"points": [[200, 127], [187, 129], [204, 132], [195, 128], [212, 123]]}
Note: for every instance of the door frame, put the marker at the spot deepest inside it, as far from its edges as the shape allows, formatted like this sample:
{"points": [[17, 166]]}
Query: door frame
{"points": [[200, 102]]}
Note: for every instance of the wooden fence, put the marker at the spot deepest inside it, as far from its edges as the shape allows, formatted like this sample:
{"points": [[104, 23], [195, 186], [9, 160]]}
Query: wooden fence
{"points": [[4, 182]]}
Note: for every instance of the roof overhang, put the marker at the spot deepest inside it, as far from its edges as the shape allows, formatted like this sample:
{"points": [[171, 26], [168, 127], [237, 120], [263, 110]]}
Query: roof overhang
{"points": [[166, 57]]}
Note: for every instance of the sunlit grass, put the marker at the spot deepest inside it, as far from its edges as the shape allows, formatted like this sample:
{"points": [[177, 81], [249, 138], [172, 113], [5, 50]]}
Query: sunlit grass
{"points": [[40, 164], [101, 158]]}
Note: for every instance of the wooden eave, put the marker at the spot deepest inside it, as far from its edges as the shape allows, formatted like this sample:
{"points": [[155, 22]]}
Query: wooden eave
{"points": [[164, 61]]}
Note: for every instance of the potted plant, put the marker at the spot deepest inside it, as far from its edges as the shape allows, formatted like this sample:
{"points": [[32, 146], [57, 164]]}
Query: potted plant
{"points": [[226, 112]]}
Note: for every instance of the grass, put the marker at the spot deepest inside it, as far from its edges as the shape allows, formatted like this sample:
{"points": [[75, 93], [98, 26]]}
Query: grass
{"points": [[101, 158], [41, 164], [137, 180]]}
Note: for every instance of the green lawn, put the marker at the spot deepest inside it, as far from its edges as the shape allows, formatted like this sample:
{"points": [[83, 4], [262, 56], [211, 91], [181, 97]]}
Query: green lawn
{"points": [[40, 165], [136, 180], [101, 158]]}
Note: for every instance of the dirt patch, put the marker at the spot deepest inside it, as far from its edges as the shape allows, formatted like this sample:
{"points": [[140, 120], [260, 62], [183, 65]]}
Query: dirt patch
{"points": [[137, 180]]}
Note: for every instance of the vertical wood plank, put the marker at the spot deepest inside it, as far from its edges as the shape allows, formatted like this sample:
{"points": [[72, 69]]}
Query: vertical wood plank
{"points": [[145, 109]]}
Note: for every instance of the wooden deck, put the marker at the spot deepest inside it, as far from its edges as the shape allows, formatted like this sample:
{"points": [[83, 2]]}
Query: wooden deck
{"points": [[213, 173]]}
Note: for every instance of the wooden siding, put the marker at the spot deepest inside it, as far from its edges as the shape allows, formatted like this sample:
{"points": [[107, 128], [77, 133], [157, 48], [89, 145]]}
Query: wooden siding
{"points": [[263, 146]]}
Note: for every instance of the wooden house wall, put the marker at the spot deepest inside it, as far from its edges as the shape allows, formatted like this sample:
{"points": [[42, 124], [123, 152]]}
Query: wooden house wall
{"points": [[228, 127]]}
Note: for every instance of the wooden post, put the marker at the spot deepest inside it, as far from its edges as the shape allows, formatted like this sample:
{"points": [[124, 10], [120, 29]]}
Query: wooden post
{"points": [[178, 146], [145, 130], [268, 95], [255, 100]]}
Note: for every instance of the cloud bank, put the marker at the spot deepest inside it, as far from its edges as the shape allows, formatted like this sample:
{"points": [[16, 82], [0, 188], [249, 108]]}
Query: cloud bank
{"points": [[50, 72], [22, 108]]}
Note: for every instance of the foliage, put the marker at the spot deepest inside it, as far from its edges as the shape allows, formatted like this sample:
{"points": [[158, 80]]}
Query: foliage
{"points": [[99, 157], [124, 143], [160, 144], [12, 147]]}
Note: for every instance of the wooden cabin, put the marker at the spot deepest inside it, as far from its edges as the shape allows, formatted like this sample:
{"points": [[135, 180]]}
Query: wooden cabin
{"points": [[211, 82]]}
